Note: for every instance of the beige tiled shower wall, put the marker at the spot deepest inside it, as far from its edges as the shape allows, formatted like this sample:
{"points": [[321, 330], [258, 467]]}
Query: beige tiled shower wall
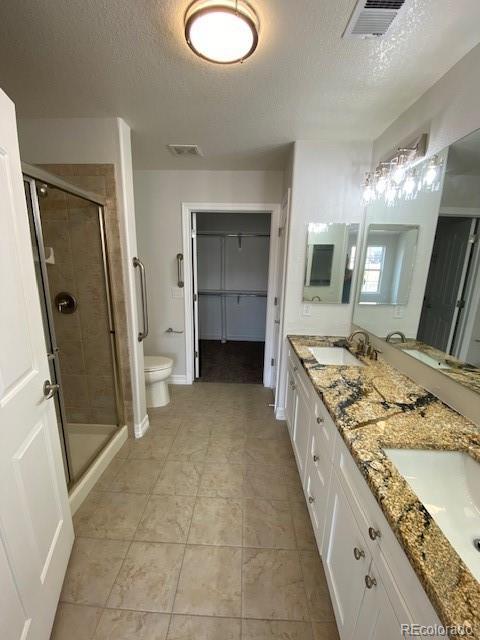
{"points": [[71, 226]]}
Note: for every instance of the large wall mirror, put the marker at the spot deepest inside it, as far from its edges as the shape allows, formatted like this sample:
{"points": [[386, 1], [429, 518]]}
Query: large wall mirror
{"points": [[330, 262], [437, 310]]}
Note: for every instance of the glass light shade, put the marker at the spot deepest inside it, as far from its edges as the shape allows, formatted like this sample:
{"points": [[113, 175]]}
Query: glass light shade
{"points": [[221, 32]]}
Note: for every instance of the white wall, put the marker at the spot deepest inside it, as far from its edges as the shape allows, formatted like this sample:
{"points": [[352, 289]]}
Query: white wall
{"points": [[158, 199], [449, 110], [326, 180], [97, 140]]}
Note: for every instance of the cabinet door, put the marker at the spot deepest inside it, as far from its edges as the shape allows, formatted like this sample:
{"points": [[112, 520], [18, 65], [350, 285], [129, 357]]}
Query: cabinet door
{"points": [[377, 619], [301, 431], [345, 573], [290, 402], [317, 485]]}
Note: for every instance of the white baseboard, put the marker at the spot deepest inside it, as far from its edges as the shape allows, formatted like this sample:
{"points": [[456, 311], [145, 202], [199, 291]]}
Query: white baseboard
{"points": [[86, 483], [178, 379], [142, 427], [280, 413]]}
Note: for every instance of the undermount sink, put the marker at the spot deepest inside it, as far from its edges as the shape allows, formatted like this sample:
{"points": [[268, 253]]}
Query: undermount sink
{"points": [[426, 359], [335, 355], [448, 484]]}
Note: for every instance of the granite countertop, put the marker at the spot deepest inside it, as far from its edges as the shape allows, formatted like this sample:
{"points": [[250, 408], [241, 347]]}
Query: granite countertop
{"points": [[376, 407], [465, 374]]}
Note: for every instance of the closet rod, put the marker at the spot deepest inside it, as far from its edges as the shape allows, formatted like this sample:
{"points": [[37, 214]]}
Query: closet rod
{"points": [[253, 294], [233, 235]]}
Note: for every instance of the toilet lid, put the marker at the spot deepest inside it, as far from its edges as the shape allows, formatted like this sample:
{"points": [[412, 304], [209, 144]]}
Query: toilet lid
{"points": [[157, 363]]}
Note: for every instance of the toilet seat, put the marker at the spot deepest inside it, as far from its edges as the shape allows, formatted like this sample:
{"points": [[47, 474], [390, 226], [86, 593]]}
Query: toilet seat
{"points": [[157, 363]]}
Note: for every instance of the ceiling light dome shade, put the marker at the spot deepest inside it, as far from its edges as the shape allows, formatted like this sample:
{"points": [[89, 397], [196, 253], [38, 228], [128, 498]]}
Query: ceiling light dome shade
{"points": [[222, 31]]}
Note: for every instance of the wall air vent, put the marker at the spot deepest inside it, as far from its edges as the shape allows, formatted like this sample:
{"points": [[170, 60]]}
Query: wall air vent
{"points": [[372, 18], [185, 149]]}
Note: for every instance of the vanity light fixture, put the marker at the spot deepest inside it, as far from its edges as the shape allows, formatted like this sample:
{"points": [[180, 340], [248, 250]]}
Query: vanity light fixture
{"points": [[399, 177], [222, 31]]}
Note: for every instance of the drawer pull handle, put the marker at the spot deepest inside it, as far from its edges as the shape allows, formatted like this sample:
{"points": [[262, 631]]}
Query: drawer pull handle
{"points": [[295, 368], [315, 457], [293, 386], [311, 499], [370, 582], [358, 553], [374, 533], [320, 420]]}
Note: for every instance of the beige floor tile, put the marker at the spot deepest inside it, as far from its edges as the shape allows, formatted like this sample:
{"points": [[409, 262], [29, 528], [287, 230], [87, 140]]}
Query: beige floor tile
{"points": [[136, 476], [107, 477], [325, 631], [316, 587], [203, 628], [264, 481], [217, 521], [268, 523], [179, 478], [75, 622], [148, 577], [303, 526], [189, 448], [210, 582], [268, 429], [109, 515], [273, 585], [163, 424], [92, 569], [293, 484], [268, 451], [226, 450], [222, 481], [152, 446], [132, 625], [166, 519], [125, 449], [276, 630]]}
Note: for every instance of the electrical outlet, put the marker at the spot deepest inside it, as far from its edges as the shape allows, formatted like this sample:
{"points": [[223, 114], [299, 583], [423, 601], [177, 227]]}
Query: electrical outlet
{"points": [[307, 310], [177, 292], [399, 312]]}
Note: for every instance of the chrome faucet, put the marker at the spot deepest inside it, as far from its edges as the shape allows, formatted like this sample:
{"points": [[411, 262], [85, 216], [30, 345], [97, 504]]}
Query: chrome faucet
{"points": [[396, 333], [362, 346]]}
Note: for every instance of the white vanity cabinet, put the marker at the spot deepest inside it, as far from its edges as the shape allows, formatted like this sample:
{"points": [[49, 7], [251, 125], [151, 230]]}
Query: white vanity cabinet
{"points": [[373, 586]]}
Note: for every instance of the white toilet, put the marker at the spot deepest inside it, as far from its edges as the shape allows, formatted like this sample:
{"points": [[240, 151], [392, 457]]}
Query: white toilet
{"points": [[157, 371]]}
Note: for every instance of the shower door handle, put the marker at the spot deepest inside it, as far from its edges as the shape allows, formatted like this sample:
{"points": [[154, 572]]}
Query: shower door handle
{"points": [[143, 290]]}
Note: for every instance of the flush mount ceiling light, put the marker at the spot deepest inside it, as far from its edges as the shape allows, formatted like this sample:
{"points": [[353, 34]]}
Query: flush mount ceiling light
{"points": [[222, 31]]}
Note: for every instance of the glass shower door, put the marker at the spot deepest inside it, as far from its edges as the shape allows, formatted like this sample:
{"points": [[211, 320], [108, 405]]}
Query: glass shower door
{"points": [[73, 276]]}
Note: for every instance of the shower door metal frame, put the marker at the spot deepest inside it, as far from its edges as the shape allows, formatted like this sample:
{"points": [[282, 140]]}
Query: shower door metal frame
{"points": [[36, 176]]}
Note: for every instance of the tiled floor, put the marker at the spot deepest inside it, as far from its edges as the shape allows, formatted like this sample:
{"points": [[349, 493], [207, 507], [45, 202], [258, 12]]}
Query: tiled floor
{"points": [[199, 531]]}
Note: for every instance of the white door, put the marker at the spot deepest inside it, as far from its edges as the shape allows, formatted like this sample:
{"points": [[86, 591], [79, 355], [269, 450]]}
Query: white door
{"points": [[196, 339], [36, 532], [279, 293]]}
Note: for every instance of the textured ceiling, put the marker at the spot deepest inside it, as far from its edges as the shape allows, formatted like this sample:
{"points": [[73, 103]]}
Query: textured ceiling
{"points": [[84, 58]]}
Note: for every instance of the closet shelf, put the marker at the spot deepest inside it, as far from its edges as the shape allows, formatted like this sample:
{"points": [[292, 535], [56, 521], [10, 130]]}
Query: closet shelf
{"points": [[232, 292]]}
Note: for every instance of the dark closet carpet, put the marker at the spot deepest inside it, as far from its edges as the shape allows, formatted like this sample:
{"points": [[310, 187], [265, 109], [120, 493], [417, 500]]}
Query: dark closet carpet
{"points": [[231, 362]]}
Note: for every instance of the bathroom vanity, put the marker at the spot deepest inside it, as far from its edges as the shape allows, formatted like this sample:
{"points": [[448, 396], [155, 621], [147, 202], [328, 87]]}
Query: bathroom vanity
{"points": [[387, 560]]}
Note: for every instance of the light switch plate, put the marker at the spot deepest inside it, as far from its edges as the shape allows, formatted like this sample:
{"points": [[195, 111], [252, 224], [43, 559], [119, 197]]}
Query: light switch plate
{"points": [[307, 310], [399, 312], [177, 292]]}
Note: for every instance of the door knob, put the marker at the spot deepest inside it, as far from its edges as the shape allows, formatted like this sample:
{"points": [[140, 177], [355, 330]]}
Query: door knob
{"points": [[49, 389]]}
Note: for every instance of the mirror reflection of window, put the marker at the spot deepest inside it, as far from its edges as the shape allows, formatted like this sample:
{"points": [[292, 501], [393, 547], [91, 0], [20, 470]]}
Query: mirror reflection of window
{"points": [[372, 274], [322, 258]]}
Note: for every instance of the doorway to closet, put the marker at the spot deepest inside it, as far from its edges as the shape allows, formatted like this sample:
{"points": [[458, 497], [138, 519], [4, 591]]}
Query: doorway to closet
{"points": [[230, 253]]}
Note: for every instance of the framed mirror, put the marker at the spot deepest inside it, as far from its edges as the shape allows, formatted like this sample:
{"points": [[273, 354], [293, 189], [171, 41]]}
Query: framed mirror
{"points": [[388, 262], [438, 323], [331, 252]]}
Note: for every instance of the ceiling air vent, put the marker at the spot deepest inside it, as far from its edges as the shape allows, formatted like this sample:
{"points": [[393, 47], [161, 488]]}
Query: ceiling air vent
{"points": [[185, 149], [372, 18]]}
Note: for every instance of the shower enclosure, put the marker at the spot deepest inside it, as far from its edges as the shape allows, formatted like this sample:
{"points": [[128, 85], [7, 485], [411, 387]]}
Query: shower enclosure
{"points": [[71, 264]]}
